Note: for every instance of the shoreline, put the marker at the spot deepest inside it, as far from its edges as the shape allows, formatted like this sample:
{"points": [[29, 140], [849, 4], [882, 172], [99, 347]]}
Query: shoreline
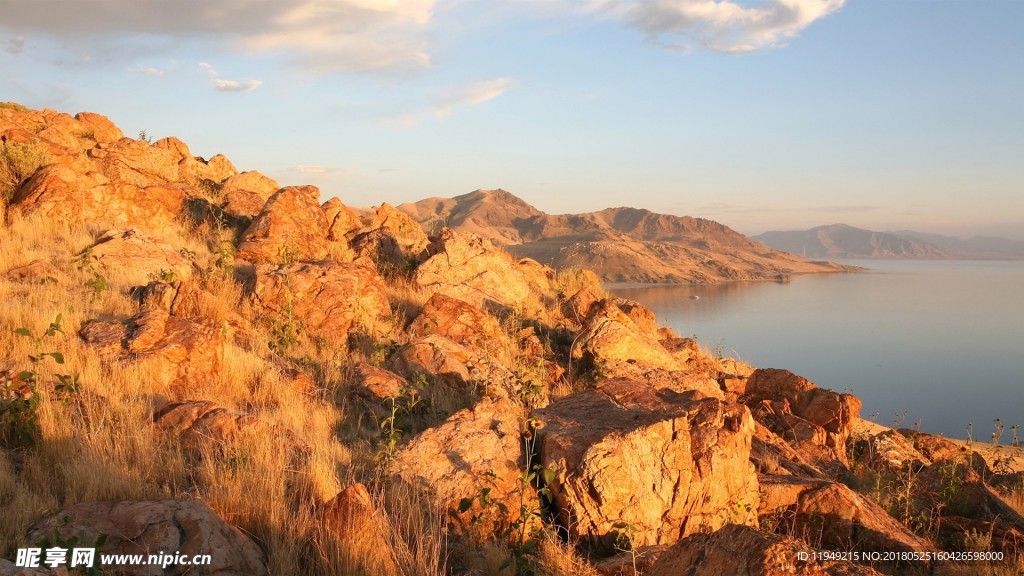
{"points": [[1010, 458]]}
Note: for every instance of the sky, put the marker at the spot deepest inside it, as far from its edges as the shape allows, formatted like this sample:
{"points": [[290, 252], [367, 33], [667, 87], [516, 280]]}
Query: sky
{"points": [[760, 114]]}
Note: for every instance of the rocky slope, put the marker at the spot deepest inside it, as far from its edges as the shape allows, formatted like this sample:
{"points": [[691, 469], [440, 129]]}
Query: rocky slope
{"points": [[301, 389], [842, 241], [619, 244]]}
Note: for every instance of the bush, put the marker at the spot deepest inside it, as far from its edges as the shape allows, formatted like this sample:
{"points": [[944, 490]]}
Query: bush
{"points": [[17, 163]]}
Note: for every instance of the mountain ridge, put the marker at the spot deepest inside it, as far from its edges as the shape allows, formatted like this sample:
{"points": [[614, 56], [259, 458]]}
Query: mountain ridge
{"points": [[620, 244], [845, 241]]}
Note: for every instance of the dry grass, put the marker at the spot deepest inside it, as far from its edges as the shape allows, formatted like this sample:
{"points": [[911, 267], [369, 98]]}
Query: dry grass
{"points": [[100, 442]]}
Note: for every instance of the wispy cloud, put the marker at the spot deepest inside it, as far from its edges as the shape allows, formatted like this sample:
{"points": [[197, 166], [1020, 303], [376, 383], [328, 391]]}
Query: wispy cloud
{"points": [[222, 85], [148, 71], [308, 169], [14, 45], [321, 35], [472, 94], [718, 25], [402, 121]]}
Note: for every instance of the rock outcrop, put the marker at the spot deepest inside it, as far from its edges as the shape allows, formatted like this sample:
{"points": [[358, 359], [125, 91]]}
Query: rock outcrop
{"points": [[291, 226], [325, 299], [742, 550], [668, 464], [472, 269], [141, 527], [173, 348], [201, 420], [476, 449], [137, 258], [461, 323]]}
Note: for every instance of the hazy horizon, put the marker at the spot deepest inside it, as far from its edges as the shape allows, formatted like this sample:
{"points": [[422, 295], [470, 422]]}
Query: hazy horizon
{"points": [[762, 115]]}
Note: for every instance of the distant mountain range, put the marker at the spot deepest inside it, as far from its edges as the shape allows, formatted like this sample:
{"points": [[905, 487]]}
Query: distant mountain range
{"points": [[619, 244], [843, 241]]}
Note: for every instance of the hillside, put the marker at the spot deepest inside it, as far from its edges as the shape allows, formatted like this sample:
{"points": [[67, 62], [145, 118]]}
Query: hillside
{"points": [[200, 366], [842, 241], [973, 248], [619, 244]]}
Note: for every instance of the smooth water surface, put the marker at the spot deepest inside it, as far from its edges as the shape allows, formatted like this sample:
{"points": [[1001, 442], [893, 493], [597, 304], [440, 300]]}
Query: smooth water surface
{"points": [[941, 340]]}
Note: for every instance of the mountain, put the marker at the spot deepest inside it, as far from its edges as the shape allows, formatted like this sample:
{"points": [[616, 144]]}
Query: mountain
{"points": [[843, 241], [977, 247], [619, 244]]}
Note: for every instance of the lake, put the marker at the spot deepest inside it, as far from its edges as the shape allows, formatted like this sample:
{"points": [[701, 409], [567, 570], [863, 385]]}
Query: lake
{"points": [[941, 340]]}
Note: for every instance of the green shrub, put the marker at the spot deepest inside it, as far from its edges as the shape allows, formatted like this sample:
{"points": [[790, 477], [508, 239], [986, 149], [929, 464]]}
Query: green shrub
{"points": [[17, 163]]}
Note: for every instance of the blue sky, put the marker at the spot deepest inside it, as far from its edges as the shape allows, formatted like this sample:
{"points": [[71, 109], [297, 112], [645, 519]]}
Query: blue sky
{"points": [[761, 114]]}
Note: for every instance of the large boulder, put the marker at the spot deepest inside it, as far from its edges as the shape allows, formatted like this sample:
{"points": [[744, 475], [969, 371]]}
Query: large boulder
{"points": [[341, 220], [462, 323], [744, 551], [291, 226], [325, 299], [392, 240], [245, 194], [170, 347], [476, 449], [834, 516], [152, 527], [472, 269], [666, 464], [75, 189], [137, 258], [609, 340]]}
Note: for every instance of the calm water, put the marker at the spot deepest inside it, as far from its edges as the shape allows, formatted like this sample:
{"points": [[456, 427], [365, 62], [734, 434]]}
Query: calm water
{"points": [[943, 340]]}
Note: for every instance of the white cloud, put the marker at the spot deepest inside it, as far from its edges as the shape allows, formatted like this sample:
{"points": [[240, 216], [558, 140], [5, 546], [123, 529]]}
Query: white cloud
{"points": [[324, 35], [472, 94], [15, 45], [222, 85], [720, 25]]}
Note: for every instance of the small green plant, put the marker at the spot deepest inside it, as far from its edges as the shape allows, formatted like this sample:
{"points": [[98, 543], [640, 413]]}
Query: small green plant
{"points": [[164, 275], [56, 540], [145, 137], [997, 434], [392, 429], [86, 263], [13, 106], [19, 397]]}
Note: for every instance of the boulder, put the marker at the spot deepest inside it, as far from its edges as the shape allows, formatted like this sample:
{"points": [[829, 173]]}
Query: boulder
{"points": [[138, 258], [291, 226], [835, 517], [742, 550], [610, 339], [174, 348], [462, 323], [139, 163], [472, 269], [34, 272], [341, 220], [75, 190], [201, 420], [392, 238], [152, 527], [476, 449], [325, 299], [577, 307], [641, 316], [246, 194], [352, 519], [103, 131], [668, 464]]}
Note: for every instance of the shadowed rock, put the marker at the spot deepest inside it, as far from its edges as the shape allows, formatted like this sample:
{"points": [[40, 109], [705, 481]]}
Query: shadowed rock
{"points": [[741, 550]]}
